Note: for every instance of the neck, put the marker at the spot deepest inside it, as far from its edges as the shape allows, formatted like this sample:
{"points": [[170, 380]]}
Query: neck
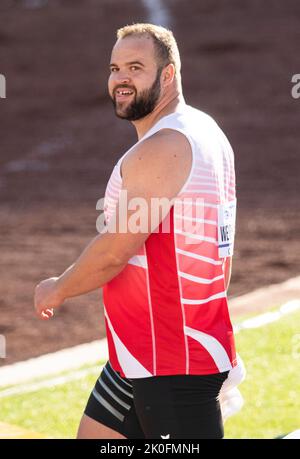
{"points": [[165, 106]]}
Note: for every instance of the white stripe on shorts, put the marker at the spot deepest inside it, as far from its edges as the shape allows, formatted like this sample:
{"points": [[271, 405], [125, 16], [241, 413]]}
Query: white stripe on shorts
{"points": [[108, 406]]}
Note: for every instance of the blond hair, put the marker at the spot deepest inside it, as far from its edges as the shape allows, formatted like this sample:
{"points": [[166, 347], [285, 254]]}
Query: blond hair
{"points": [[164, 42]]}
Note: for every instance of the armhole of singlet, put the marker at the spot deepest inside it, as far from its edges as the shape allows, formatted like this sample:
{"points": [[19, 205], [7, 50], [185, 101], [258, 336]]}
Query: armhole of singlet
{"points": [[189, 139], [152, 133], [119, 163]]}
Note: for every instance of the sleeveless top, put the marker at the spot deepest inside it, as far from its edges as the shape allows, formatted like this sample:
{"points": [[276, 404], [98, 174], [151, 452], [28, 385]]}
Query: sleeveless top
{"points": [[166, 312]]}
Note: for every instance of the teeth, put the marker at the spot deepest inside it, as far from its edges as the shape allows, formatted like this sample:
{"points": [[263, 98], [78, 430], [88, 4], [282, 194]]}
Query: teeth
{"points": [[124, 93]]}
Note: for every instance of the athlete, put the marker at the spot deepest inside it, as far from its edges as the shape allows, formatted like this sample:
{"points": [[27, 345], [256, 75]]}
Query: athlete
{"points": [[163, 257]]}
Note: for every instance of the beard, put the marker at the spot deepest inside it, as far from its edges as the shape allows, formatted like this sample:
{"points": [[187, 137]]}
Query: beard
{"points": [[142, 104]]}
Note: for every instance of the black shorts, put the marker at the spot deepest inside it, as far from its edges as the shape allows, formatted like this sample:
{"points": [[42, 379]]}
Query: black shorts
{"points": [[111, 404], [180, 406]]}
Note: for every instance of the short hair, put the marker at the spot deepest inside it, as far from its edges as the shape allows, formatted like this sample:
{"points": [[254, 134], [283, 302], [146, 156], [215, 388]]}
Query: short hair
{"points": [[164, 42]]}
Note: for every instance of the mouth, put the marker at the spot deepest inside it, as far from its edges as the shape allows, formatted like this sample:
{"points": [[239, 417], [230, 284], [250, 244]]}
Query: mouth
{"points": [[122, 94]]}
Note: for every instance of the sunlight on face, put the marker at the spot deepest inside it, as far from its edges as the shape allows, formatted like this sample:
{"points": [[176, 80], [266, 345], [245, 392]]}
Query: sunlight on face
{"points": [[134, 82]]}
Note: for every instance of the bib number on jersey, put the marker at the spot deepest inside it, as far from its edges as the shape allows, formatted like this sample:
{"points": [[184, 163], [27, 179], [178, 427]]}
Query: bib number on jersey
{"points": [[226, 228]]}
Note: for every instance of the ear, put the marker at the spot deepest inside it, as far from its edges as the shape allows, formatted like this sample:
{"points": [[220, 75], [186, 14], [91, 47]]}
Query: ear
{"points": [[168, 75]]}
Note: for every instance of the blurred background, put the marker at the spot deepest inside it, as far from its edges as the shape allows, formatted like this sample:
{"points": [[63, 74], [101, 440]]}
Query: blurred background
{"points": [[59, 140]]}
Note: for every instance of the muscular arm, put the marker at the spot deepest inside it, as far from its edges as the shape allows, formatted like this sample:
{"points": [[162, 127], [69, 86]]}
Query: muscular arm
{"points": [[158, 167]]}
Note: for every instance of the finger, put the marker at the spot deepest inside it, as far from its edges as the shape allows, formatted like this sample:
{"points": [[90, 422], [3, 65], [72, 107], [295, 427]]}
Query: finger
{"points": [[47, 314]]}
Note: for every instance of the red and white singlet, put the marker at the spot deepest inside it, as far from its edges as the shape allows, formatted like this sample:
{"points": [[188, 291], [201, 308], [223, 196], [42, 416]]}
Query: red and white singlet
{"points": [[167, 312]]}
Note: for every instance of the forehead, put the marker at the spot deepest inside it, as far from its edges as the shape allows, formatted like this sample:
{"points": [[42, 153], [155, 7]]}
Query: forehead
{"points": [[133, 48]]}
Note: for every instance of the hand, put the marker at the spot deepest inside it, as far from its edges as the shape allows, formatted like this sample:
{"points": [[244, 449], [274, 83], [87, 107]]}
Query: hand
{"points": [[47, 298]]}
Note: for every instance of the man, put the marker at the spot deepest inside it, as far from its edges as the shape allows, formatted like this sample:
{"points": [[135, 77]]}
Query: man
{"points": [[165, 277]]}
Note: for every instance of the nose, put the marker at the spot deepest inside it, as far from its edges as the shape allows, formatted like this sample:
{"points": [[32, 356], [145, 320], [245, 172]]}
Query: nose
{"points": [[122, 78]]}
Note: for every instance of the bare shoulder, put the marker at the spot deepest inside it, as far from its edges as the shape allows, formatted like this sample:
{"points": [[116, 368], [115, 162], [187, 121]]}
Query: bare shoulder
{"points": [[167, 143], [162, 146], [164, 160]]}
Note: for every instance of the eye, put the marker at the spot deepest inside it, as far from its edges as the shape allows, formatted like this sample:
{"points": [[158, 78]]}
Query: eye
{"points": [[113, 69], [134, 68]]}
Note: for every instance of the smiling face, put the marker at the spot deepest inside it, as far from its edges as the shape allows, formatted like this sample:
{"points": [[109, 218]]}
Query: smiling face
{"points": [[134, 82]]}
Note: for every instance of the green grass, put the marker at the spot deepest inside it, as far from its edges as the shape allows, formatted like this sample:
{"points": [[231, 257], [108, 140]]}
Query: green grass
{"points": [[271, 391], [54, 412]]}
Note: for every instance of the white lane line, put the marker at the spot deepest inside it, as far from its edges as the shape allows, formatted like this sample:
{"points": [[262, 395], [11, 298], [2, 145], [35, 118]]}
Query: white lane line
{"points": [[54, 363], [268, 317], [158, 12], [50, 383], [295, 435]]}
